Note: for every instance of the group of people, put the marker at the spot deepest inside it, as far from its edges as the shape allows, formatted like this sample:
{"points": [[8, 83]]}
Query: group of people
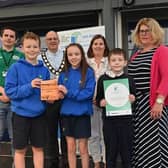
{"points": [[140, 138]]}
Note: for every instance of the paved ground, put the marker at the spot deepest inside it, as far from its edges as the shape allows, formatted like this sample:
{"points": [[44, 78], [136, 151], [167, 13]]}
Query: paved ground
{"points": [[6, 158]]}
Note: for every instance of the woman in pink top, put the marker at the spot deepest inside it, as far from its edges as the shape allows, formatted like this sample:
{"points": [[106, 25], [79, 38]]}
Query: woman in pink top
{"points": [[149, 69]]}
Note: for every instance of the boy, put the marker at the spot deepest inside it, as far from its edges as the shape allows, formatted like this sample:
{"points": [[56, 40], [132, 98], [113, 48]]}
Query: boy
{"points": [[22, 86], [117, 130]]}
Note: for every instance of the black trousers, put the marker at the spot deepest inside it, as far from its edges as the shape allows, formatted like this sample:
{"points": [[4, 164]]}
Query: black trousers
{"points": [[52, 148], [118, 140]]}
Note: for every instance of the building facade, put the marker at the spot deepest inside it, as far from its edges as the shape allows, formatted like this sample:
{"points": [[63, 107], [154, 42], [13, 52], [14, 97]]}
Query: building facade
{"points": [[118, 16]]}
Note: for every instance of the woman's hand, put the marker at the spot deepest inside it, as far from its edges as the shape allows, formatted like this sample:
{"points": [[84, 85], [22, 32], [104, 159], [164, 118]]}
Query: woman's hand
{"points": [[156, 111], [94, 101]]}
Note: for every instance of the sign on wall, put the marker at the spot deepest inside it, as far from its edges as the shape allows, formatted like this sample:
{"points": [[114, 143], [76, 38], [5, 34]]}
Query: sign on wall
{"points": [[82, 36]]}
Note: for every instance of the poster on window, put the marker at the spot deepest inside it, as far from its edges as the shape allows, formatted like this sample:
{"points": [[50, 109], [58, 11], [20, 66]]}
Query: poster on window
{"points": [[82, 36]]}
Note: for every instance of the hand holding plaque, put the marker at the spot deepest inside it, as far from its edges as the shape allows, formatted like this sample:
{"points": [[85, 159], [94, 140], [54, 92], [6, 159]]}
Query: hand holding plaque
{"points": [[117, 97], [50, 90]]}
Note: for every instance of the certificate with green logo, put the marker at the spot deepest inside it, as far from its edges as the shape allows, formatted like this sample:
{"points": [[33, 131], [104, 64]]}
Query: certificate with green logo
{"points": [[117, 97]]}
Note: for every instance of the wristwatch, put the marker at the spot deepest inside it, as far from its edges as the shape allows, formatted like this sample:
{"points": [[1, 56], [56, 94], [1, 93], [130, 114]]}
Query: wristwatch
{"points": [[159, 100]]}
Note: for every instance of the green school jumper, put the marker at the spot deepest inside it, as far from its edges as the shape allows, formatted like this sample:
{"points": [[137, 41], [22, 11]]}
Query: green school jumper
{"points": [[6, 60]]}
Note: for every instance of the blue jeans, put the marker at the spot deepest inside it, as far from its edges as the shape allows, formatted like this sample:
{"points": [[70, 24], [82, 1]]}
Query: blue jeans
{"points": [[5, 119]]}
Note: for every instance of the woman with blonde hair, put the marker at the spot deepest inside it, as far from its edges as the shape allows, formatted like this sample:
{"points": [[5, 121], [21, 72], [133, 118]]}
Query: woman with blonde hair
{"points": [[149, 69]]}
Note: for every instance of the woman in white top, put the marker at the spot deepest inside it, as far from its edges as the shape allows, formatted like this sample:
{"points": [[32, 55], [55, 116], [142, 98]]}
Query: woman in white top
{"points": [[97, 59]]}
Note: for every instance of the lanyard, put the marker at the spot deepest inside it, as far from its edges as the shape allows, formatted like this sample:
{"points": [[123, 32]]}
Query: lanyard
{"points": [[7, 62]]}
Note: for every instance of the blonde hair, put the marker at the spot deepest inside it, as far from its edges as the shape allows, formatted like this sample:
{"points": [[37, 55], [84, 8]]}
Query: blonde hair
{"points": [[157, 31]]}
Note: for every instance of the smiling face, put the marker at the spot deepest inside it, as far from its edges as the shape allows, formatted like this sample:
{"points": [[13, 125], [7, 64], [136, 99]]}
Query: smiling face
{"points": [[52, 41], [31, 49], [74, 56], [117, 63], [145, 36], [98, 47]]}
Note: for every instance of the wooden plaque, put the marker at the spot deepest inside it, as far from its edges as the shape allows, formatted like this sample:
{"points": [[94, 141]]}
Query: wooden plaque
{"points": [[49, 90]]}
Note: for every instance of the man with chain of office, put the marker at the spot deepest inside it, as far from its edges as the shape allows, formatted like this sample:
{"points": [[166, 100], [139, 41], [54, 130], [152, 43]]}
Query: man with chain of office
{"points": [[54, 61]]}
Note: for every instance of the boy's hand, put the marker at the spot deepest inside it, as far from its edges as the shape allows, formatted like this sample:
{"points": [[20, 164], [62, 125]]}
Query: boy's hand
{"points": [[131, 98], [103, 103], [36, 83]]}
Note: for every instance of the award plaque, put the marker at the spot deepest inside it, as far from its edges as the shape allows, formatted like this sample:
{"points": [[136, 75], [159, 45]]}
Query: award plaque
{"points": [[49, 90], [117, 97]]}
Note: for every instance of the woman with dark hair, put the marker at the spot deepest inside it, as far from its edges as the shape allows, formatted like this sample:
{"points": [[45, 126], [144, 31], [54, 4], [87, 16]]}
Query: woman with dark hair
{"points": [[97, 59]]}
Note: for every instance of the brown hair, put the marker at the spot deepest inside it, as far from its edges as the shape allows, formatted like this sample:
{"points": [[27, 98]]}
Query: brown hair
{"points": [[117, 51], [90, 51], [31, 35], [8, 28], [83, 65]]}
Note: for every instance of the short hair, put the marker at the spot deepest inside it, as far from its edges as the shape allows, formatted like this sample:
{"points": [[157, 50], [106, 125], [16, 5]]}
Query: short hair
{"points": [[90, 51], [10, 28], [157, 31], [117, 51], [31, 35]]}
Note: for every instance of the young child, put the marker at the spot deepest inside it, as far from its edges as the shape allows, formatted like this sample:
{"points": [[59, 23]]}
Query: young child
{"points": [[22, 86], [77, 82], [117, 130]]}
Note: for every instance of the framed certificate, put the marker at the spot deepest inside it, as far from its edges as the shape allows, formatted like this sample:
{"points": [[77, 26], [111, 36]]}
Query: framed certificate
{"points": [[117, 97]]}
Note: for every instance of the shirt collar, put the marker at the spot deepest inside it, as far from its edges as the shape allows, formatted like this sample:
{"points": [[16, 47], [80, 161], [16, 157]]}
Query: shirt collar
{"points": [[4, 50], [112, 74], [51, 53], [92, 60]]}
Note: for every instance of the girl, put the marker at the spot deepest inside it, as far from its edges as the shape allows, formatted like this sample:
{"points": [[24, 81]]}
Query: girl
{"points": [[77, 82]]}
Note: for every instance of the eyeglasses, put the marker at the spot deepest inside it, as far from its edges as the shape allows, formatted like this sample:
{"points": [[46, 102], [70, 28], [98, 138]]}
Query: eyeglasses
{"points": [[54, 39], [147, 31]]}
